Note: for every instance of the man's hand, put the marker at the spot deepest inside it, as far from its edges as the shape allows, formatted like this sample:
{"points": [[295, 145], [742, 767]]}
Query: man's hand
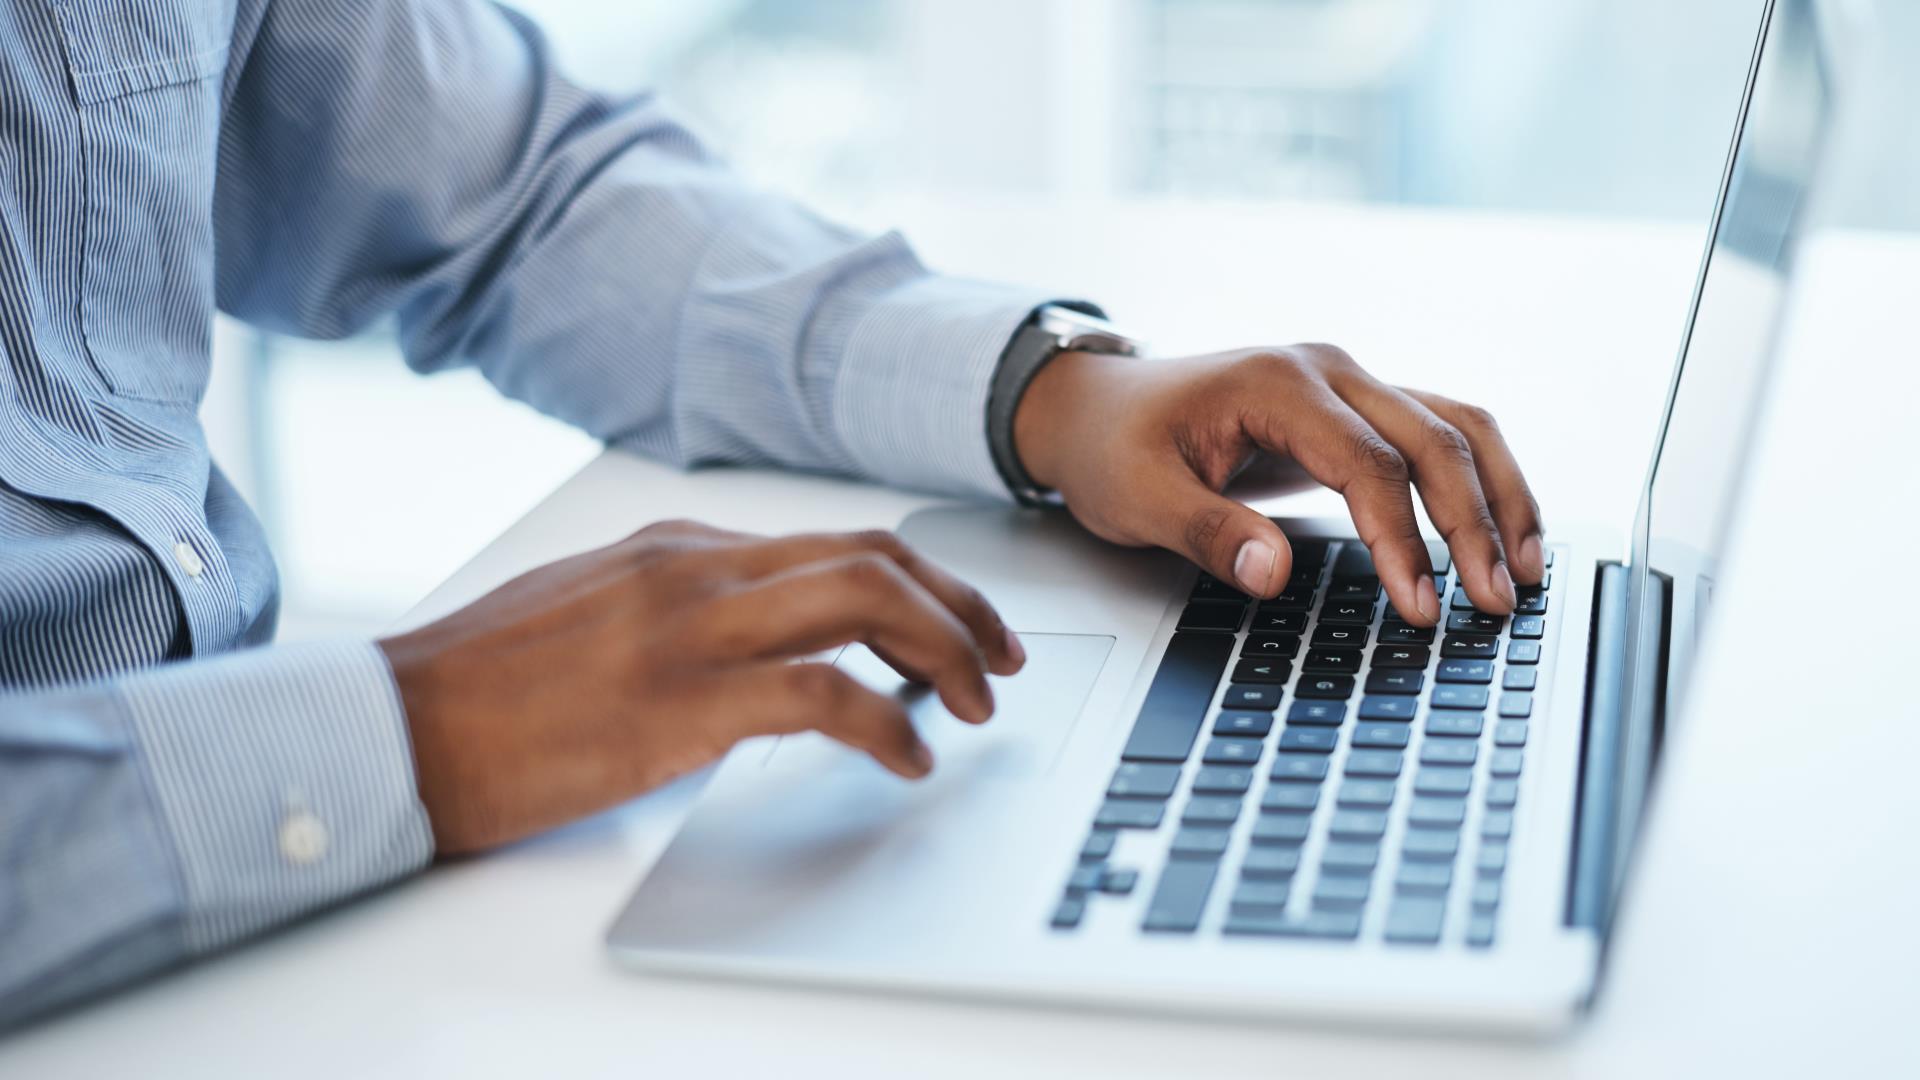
{"points": [[588, 681], [1141, 450]]}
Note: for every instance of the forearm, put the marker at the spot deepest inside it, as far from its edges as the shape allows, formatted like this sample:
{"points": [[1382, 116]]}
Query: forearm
{"points": [[588, 254], [179, 810]]}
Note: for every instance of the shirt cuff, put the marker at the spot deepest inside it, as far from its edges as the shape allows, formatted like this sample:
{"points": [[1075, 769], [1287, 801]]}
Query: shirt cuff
{"points": [[910, 395], [285, 779]]}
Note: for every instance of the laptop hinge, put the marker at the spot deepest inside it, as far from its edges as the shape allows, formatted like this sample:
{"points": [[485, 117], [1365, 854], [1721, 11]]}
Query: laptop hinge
{"points": [[1589, 881]]}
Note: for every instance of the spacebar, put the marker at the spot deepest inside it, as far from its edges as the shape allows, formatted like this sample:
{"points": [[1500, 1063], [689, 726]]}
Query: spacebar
{"points": [[1177, 701]]}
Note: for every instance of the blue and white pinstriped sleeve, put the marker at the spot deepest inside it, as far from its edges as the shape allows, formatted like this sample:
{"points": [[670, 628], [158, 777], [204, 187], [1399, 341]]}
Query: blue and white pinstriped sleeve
{"points": [[176, 811], [590, 255]]}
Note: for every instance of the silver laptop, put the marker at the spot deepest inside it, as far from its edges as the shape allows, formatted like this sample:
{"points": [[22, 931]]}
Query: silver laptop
{"points": [[1299, 807]]}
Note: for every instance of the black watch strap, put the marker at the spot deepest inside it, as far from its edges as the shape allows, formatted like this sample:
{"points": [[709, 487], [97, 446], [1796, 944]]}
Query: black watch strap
{"points": [[1038, 340]]}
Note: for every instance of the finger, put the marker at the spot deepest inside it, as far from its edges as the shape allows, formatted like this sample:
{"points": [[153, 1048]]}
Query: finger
{"points": [[1221, 535], [762, 558], [1514, 508], [1442, 465], [863, 597], [781, 699], [1341, 450]]}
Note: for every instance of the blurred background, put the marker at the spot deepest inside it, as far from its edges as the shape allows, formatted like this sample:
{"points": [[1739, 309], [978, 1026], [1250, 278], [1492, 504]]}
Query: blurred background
{"points": [[998, 114]]}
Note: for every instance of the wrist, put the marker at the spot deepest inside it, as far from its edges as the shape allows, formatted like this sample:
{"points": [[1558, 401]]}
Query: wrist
{"points": [[1043, 420]]}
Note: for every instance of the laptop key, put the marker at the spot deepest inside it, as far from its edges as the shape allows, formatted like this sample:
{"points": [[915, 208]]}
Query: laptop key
{"points": [[1085, 878], [1143, 780], [1324, 687], [1449, 752], [1068, 914], [1382, 736], [1354, 560], [1268, 861], [1099, 845], [1510, 733], [1470, 647], [1251, 696], [1336, 636], [1350, 857], [1466, 724], [1523, 652], [1374, 763], [1388, 708], [1358, 824], [1503, 793], [1415, 920], [1181, 896], [1516, 704], [1260, 896], [1211, 810], [1475, 622], [1307, 767], [1321, 923], [1270, 646], [1312, 740], [1395, 681], [1492, 858], [1130, 814], [1222, 780], [1254, 669], [1296, 797], [1214, 617], [1401, 656], [1200, 842], [1119, 882], [1323, 713], [1437, 812], [1486, 893], [1531, 602], [1505, 762], [1480, 931], [1278, 621], [1497, 825], [1178, 698], [1366, 793], [1340, 892], [1443, 780], [1294, 598], [1403, 634], [1251, 724], [1520, 678], [1212, 588], [1464, 671], [1228, 751], [1338, 661], [1529, 626], [1424, 877], [1422, 845], [1354, 590], [1348, 614], [1281, 828], [1458, 696]]}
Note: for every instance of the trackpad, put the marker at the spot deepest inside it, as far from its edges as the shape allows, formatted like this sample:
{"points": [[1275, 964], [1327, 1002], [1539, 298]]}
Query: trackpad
{"points": [[1035, 712]]}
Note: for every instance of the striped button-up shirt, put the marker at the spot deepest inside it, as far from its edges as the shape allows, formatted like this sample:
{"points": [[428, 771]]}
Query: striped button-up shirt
{"points": [[170, 780]]}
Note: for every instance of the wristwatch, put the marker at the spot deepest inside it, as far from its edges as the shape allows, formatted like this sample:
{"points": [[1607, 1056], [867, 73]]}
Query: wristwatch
{"points": [[1051, 330]]}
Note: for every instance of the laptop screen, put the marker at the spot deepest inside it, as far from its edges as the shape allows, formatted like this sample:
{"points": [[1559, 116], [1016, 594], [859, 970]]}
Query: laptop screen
{"points": [[1695, 476]]}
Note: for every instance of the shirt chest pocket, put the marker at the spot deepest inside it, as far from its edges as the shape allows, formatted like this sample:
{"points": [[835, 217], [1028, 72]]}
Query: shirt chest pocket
{"points": [[145, 87]]}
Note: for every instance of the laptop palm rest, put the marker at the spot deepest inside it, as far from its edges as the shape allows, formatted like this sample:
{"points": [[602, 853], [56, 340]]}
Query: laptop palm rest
{"points": [[1035, 712]]}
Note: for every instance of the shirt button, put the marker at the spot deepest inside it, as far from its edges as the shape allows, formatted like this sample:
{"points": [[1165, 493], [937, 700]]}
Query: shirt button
{"points": [[303, 839], [188, 559]]}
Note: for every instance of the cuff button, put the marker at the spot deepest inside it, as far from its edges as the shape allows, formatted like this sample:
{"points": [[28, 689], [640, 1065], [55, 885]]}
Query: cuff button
{"points": [[303, 839]]}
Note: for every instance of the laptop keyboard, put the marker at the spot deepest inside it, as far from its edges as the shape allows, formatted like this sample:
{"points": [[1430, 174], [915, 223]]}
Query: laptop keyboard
{"points": [[1338, 772]]}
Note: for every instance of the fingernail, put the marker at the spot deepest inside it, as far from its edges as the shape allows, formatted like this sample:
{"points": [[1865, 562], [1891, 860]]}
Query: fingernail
{"points": [[986, 701], [922, 757], [1428, 599], [1503, 585], [1014, 649], [1532, 557], [1253, 566]]}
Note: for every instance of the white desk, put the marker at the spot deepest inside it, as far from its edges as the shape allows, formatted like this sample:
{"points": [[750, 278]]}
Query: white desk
{"points": [[1770, 932]]}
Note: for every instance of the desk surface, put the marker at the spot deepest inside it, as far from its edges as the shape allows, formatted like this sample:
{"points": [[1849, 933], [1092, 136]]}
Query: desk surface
{"points": [[1768, 930]]}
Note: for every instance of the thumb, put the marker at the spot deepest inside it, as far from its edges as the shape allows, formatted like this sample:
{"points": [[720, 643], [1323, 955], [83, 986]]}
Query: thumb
{"points": [[1226, 539]]}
